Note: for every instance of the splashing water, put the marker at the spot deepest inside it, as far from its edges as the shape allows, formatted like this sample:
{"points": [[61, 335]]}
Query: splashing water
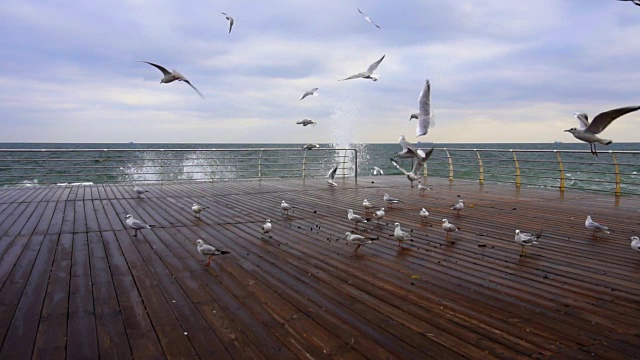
{"points": [[343, 124]]}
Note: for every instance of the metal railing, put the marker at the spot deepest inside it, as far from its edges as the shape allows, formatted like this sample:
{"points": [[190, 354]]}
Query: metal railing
{"points": [[78, 166], [612, 171]]}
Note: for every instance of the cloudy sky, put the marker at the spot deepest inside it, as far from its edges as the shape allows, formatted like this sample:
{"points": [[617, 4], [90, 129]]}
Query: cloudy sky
{"points": [[501, 70]]}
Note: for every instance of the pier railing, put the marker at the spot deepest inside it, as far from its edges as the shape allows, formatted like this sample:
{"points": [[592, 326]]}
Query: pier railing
{"points": [[617, 172], [78, 166]]}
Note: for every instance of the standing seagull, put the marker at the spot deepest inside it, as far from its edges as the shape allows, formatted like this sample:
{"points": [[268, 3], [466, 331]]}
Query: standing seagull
{"points": [[379, 215], [425, 120], [266, 228], [305, 122], [458, 206], [422, 188], [359, 240], [231, 20], [368, 19], [399, 234], [424, 215], [171, 76], [367, 205], [592, 225], [377, 171], [209, 251], [331, 176], [311, 92], [355, 218], [136, 224], [635, 243], [414, 174], [284, 207], [390, 200], [449, 228], [367, 74], [587, 131], [525, 239], [197, 209], [139, 190]]}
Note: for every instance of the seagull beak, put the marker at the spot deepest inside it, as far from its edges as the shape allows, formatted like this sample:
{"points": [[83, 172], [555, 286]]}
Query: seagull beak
{"points": [[567, 131]]}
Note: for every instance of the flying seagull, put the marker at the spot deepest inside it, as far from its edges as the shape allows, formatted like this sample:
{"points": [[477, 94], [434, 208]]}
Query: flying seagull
{"points": [[377, 171], [209, 251], [414, 174], [367, 74], [171, 76], [310, 146], [136, 224], [311, 92], [425, 120], [305, 122], [368, 19], [231, 20], [408, 150], [587, 131], [636, 2], [525, 239], [331, 176]]}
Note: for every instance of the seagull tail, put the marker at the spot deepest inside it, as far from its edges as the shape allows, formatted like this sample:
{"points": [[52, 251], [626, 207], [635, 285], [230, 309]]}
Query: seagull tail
{"points": [[605, 142], [224, 252], [154, 225]]}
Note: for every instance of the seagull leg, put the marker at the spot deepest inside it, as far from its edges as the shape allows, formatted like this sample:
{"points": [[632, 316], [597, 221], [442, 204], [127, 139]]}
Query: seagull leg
{"points": [[209, 262], [356, 250], [135, 232]]}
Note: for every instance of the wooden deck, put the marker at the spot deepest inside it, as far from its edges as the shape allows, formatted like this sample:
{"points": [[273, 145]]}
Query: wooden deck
{"points": [[74, 283]]}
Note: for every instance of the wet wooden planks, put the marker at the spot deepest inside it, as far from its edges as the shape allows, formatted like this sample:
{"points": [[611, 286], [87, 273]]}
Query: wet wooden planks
{"points": [[75, 283]]}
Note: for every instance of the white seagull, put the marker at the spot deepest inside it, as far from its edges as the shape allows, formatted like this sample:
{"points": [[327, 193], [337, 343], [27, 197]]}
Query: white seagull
{"points": [[368, 19], [425, 120], [310, 146], [284, 207], [449, 228], [367, 74], [311, 92], [592, 225], [414, 174], [635, 243], [136, 224], [525, 239], [424, 215], [197, 209], [408, 150], [355, 218], [377, 171], [305, 122], [390, 200], [332, 176], [139, 190], [367, 205], [379, 215], [231, 20], [587, 131], [458, 206], [171, 76], [266, 228], [422, 188], [399, 234], [636, 2], [209, 251], [359, 240]]}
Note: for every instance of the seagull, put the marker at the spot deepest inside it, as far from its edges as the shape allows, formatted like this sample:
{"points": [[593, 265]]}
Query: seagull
{"points": [[266, 228], [525, 239], [209, 251], [231, 20], [449, 228], [367, 74], [355, 218], [311, 92], [359, 240], [399, 234], [425, 120], [284, 207], [592, 225], [408, 150], [636, 2], [305, 122], [171, 76], [377, 171], [310, 146], [458, 206], [379, 215], [136, 224], [390, 200], [331, 176], [414, 174], [367, 205], [587, 131], [422, 188], [424, 214], [139, 190], [368, 18], [197, 209], [635, 243]]}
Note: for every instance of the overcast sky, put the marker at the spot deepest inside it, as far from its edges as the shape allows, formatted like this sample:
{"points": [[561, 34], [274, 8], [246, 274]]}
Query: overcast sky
{"points": [[500, 70]]}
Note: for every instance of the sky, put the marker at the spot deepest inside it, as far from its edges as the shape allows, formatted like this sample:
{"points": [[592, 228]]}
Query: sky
{"points": [[500, 70]]}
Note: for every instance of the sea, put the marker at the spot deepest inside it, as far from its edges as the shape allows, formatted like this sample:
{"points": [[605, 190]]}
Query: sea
{"points": [[139, 163]]}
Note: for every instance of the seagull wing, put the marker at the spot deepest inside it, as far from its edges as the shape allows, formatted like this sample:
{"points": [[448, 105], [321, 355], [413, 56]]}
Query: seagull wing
{"points": [[137, 224], [194, 88], [425, 121], [305, 95], [332, 173], [602, 120], [231, 21], [583, 118], [417, 167], [374, 66], [358, 75], [398, 166], [165, 72]]}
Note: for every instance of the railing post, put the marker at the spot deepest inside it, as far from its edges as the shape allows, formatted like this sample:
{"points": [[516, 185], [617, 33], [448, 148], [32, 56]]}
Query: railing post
{"points": [[450, 165], [617, 172], [260, 164], [563, 183], [355, 175], [481, 177], [515, 160], [304, 163]]}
